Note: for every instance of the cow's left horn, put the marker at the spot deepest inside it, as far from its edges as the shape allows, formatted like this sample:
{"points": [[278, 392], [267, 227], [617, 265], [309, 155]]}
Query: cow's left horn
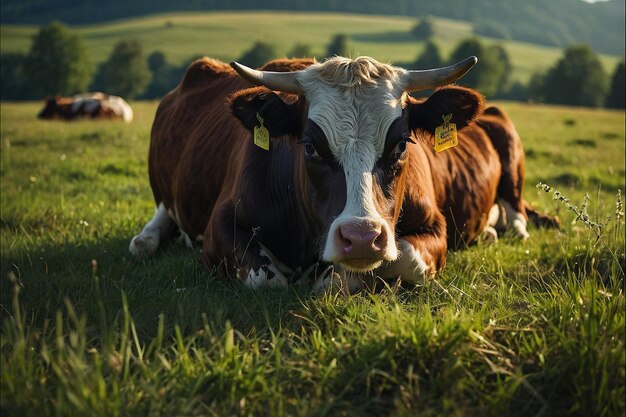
{"points": [[279, 81], [423, 80]]}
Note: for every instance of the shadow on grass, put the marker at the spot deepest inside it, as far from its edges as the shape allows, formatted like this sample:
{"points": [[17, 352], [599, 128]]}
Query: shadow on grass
{"points": [[94, 278], [594, 181]]}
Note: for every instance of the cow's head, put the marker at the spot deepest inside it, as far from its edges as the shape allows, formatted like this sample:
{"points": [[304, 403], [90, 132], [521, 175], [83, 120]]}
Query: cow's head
{"points": [[50, 108], [354, 136]]}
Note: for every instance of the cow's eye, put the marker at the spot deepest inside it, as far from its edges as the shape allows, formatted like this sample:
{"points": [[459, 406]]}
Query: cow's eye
{"points": [[309, 150], [399, 150]]}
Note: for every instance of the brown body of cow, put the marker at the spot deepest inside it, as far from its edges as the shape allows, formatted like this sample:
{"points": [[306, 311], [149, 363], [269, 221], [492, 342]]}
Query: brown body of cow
{"points": [[89, 105], [261, 214]]}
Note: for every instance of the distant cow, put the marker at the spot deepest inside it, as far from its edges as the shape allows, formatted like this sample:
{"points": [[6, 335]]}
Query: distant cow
{"points": [[89, 105], [330, 163]]}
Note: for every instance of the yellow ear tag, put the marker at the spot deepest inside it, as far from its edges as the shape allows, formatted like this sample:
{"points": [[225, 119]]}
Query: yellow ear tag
{"points": [[445, 134], [261, 135]]}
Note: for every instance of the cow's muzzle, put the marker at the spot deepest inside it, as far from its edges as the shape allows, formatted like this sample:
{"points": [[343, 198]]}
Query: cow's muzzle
{"points": [[360, 245]]}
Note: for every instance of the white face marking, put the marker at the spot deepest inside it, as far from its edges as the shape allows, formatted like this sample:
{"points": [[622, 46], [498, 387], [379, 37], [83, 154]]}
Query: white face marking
{"points": [[355, 113]]}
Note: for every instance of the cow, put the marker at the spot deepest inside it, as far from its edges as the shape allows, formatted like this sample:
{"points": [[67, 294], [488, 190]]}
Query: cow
{"points": [[330, 164], [94, 105]]}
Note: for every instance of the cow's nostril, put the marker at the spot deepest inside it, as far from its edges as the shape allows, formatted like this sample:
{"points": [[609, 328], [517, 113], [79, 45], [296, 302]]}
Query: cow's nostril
{"points": [[381, 240], [347, 243], [365, 239]]}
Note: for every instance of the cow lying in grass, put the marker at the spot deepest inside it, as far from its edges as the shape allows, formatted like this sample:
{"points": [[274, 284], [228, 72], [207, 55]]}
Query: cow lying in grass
{"points": [[331, 163], [89, 105]]}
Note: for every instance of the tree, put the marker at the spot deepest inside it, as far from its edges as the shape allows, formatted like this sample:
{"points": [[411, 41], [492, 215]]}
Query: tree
{"points": [[615, 98], [57, 62], [429, 58], [490, 73], [338, 46], [162, 81], [300, 50], [536, 87], [13, 85], [577, 79], [126, 72], [502, 68], [423, 30], [258, 55]]}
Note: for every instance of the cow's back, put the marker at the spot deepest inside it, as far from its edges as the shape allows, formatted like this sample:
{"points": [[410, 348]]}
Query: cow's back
{"points": [[192, 139]]}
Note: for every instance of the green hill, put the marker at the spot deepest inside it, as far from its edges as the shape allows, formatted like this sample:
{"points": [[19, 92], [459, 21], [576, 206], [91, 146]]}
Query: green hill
{"points": [[553, 23], [226, 35]]}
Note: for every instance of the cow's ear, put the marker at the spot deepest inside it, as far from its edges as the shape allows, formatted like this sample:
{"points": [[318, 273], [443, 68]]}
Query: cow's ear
{"points": [[464, 104], [280, 112]]}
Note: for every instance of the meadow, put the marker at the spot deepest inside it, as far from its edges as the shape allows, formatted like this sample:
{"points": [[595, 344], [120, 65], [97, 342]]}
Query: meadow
{"points": [[227, 35], [532, 328]]}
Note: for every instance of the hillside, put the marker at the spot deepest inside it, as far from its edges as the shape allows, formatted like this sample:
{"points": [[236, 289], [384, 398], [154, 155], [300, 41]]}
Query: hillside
{"points": [[226, 35], [553, 23]]}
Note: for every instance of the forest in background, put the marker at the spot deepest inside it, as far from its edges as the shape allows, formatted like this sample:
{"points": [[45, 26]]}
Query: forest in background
{"points": [[552, 23], [57, 63]]}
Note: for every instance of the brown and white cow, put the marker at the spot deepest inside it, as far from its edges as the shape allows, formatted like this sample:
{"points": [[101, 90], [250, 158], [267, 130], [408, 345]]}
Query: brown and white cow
{"points": [[88, 105], [350, 179]]}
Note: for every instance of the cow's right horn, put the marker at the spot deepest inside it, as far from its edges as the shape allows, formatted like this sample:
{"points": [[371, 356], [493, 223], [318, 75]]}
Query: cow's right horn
{"points": [[422, 80], [278, 81]]}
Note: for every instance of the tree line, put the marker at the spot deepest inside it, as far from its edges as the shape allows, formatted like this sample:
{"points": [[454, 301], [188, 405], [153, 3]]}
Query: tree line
{"points": [[555, 23], [57, 64]]}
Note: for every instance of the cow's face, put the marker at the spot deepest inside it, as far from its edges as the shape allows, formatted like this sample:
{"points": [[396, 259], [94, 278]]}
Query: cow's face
{"points": [[354, 139]]}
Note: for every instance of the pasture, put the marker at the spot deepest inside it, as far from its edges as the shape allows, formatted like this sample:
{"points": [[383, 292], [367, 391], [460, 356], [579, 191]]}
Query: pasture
{"points": [[519, 328], [227, 35]]}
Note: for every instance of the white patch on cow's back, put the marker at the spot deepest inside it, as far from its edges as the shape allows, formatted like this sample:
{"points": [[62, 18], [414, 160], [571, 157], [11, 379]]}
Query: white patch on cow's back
{"points": [[121, 108], [85, 105], [91, 106], [91, 101]]}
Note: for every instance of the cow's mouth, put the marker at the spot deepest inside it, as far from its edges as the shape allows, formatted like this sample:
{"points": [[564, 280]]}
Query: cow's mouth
{"points": [[361, 264]]}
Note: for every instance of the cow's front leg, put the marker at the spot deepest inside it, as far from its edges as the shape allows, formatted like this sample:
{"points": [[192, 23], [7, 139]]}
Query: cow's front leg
{"points": [[419, 258], [264, 270], [335, 279], [236, 253]]}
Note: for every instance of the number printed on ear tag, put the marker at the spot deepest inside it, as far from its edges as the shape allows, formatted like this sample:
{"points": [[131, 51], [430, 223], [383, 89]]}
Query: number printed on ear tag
{"points": [[261, 135]]}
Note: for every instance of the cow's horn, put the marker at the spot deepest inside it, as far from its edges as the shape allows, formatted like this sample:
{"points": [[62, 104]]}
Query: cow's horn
{"points": [[423, 80], [278, 81]]}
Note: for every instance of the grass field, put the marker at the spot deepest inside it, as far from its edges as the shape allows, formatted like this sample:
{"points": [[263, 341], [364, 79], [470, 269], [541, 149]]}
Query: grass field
{"points": [[519, 329], [226, 35]]}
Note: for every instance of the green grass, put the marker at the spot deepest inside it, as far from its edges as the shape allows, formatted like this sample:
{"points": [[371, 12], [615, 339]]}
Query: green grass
{"points": [[226, 35], [520, 329]]}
